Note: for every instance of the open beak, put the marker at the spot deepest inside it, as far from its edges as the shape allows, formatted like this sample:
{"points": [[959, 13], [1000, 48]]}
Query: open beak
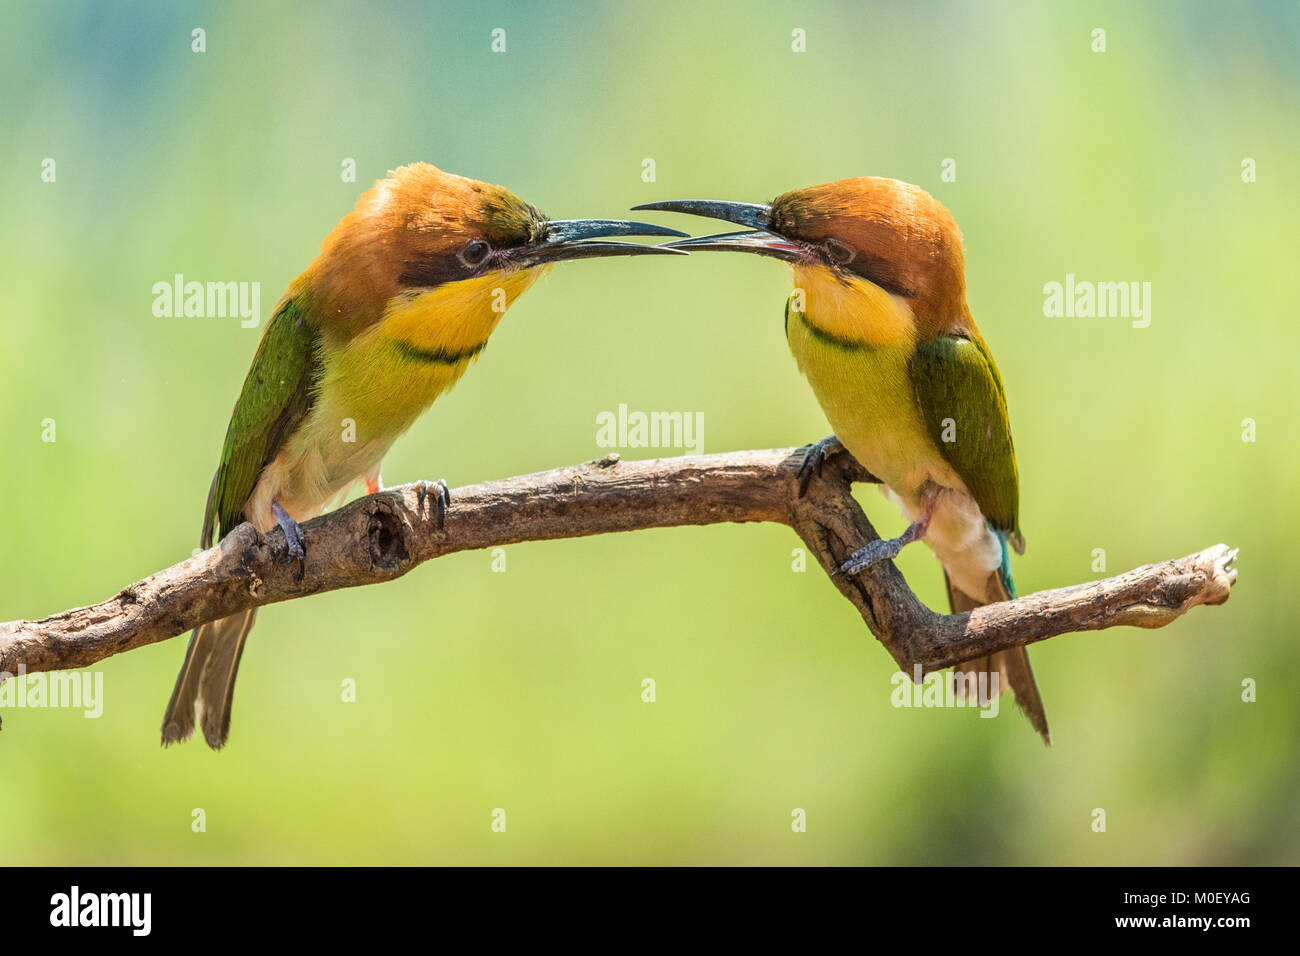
{"points": [[760, 239], [567, 239]]}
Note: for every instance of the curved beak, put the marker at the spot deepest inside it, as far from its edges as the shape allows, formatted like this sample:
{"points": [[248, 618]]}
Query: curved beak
{"points": [[760, 240], [566, 239]]}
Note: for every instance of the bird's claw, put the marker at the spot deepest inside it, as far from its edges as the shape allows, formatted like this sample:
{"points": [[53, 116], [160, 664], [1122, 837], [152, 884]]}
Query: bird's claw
{"points": [[293, 535], [441, 497], [870, 554], [814, 458]]}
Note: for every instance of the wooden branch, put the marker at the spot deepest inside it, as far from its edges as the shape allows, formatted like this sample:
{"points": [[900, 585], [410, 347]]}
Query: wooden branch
{"points": [[385, 535]]}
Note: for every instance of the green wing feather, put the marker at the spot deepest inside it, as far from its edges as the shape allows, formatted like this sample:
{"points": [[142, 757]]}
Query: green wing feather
{"points": [[276, 397], [955, 378]]}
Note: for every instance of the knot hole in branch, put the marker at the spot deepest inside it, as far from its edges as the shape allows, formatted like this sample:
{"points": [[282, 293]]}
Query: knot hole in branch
{"points": [[386, 535]]}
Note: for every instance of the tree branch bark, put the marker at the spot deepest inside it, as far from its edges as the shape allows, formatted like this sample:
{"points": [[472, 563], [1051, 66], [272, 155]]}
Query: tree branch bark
{"points": [[383, 536]]}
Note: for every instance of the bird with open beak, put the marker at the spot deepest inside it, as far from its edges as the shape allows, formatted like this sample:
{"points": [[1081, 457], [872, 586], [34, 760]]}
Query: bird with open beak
{"points": [[879, 325], [402, 298]]}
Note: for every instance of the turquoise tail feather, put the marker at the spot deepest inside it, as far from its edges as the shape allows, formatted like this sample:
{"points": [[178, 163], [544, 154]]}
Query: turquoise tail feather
{"points": [[1004, 569]]}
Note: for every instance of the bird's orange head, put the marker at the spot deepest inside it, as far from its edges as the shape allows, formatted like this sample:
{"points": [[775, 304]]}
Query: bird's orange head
{"points": [[893, 234], [422, 228]]}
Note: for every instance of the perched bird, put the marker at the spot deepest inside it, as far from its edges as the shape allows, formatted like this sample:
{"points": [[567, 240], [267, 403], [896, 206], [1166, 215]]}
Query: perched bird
{"points": [[401, 299], [878, 323]]}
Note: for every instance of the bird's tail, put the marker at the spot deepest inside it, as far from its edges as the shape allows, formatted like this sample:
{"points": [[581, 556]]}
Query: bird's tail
{"points": [[1011, 666], [206, 683]]}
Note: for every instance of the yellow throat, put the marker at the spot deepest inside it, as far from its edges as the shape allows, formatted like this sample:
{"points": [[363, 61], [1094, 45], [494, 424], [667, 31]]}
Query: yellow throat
{"points": [[850, 308]]}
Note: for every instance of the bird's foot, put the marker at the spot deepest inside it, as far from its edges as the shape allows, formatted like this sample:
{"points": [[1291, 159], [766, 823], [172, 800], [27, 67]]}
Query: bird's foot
{"points": [[814, 458], [440, 493], [883, 548], [876, 551], [292, 533], [819, 453], [374, 485]]}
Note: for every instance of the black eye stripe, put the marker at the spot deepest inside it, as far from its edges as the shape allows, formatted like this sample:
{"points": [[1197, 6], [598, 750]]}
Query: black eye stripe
{"points": [[430, 272], [425, 273], [877, 278], [876, 271]]}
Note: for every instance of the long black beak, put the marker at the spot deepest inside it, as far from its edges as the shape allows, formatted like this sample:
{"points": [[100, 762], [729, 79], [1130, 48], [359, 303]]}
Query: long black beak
{"points": [[761, 240], [567, 239]]}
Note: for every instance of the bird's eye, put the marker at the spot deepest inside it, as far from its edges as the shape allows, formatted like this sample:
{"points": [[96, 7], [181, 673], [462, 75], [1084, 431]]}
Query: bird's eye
{"points": [[474, 253], [839, 253]]}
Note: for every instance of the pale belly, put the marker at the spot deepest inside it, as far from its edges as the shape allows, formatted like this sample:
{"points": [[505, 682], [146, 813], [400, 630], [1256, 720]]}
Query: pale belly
{"points": [[869, 400]]}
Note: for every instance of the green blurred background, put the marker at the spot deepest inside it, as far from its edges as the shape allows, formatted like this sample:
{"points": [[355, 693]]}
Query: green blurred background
{"points": [[522, 690]]}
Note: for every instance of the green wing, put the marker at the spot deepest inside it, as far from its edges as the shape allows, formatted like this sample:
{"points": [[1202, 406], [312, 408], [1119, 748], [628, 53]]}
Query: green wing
{"points": [[961, 399], [276, 397]]}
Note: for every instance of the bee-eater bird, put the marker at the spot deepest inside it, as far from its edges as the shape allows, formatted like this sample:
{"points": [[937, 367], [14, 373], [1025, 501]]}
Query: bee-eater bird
{"points": [[402, 298], [878, 323]]}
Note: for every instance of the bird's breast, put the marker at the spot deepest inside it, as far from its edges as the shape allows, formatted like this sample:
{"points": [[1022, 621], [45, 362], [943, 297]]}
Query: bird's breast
{"points": [[867, 394], [374, 386]]}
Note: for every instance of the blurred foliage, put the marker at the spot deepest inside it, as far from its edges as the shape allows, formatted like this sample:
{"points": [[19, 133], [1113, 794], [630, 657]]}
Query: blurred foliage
{"points": [[521, 690]]}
